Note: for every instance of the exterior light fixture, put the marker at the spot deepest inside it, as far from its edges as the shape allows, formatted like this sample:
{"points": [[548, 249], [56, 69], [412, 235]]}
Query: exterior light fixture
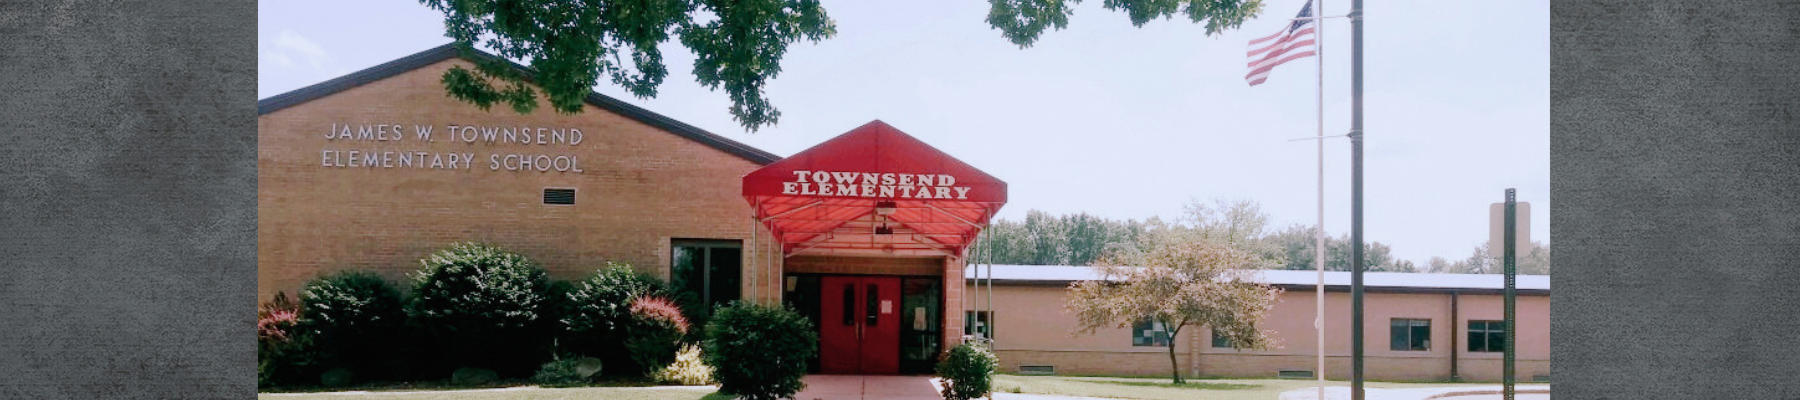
{"points": [[885, 208], [884, 229]]}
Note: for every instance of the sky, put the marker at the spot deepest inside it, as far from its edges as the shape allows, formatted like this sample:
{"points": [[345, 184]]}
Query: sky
{"points": [[1109, 119]]}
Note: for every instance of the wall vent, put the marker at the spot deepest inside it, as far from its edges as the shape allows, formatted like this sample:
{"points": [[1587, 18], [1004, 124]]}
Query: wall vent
{"points": [[1294, 374], [1037, 369], [559, 196]]}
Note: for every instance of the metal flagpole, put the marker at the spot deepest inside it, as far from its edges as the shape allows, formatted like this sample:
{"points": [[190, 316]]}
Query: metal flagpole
{"points": [[1512, 274], [1319, 242], [1356, 239]]}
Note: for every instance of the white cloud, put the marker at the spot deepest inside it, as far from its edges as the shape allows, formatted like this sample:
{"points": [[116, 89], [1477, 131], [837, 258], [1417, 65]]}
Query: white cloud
{"points": [[293, 50]]}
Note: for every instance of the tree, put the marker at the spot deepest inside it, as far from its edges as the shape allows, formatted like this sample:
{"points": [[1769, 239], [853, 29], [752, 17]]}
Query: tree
{"points": [[1044, 239], [1179, 279], [1297, 244], [571, 44], [1531, 259], [1022, 21]]}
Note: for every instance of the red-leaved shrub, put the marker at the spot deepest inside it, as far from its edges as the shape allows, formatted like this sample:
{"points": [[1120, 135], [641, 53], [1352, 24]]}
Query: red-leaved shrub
{"points": [[659, 310], [656, 331], [275, 321], [280, 347]]}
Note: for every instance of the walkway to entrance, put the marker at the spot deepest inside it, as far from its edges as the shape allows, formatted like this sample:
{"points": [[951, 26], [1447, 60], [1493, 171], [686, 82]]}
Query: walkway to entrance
{"points": [[867, 387], [888, 387]]}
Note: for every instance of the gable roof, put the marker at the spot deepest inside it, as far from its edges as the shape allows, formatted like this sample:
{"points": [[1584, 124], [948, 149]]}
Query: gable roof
{"points": [[448, 51]]}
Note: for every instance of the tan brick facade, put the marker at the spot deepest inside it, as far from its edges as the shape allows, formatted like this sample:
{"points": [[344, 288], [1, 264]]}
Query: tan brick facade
{"points": [[1034, 329], [639, 188], [401, 195]]}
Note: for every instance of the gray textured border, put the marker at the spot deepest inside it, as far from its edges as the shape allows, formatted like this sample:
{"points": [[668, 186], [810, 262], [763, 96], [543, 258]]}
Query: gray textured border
{"points": [[128, 230], [1675, 169]]}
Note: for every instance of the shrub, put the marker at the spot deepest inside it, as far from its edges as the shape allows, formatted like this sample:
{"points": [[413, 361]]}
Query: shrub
{"points": [[469, 376], [688, 369], [353, 318], [967, 371], [559, 372], [595, 313], [281, 348], [657, 327], [759, 352], [484, 307]]}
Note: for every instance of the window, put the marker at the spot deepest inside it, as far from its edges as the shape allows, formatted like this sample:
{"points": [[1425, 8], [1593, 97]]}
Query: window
{"points": [[1149, 333], [921, 324], [706, 273], [1220, 341], [979, 324], [1410, 334], [1487, 336], [559, 196]]}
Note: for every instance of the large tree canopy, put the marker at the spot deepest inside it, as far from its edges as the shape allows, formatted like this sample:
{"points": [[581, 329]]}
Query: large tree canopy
{"points": [[572, 43], [1023, 21], [1180, 278]]}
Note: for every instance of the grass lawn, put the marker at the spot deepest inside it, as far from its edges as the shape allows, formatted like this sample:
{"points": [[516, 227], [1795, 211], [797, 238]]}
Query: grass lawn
{"points": [[518, 393], [1161, 389]]}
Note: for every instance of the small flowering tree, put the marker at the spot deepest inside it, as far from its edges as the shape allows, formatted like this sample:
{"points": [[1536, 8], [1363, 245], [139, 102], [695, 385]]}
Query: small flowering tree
{"points": [[1178, 279]]}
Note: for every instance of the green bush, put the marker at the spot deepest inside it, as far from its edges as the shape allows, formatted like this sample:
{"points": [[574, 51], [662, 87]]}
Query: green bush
{"points": [[559, 372], [759, 352], [688, 369], [594, 316], [470, 376], [967, 371], [353, 318], [484, 307], [283, 351], [657, 327]]}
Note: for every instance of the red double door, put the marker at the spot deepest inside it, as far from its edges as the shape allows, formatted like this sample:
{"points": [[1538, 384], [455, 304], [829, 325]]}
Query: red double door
{"points": [[859, 325]]}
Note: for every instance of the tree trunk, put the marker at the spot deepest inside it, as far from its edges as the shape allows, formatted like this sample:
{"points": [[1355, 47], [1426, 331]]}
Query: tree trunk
{"points": [[1174, 366]]}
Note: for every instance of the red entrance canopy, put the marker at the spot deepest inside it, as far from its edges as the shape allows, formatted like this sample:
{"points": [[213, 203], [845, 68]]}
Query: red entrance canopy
{"points": [[873, 190]]}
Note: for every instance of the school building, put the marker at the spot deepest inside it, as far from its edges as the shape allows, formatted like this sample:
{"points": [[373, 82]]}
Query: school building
{"points": [[865, 233], [1418, 327]]}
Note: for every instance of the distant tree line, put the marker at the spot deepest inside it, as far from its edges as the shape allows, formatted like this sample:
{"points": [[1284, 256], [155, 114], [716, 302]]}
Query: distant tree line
{"points": [[1083, 239]]}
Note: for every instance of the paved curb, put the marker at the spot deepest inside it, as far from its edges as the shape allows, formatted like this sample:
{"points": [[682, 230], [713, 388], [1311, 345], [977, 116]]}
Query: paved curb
{"points": [[1486, 392], [1418, 393], [504, 389]]}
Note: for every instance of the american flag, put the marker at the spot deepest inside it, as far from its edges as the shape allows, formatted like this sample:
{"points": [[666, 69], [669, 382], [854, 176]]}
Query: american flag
{"points": [[1295, 42]]}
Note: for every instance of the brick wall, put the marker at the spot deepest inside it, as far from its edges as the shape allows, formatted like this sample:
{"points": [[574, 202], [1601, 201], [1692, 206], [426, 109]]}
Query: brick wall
{"points": [[639, 187], [1034, 328]]}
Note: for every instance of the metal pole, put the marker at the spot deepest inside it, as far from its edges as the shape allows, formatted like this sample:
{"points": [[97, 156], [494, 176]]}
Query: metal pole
{"points": [[754, 248], [1356, 239], [1319, 242], [988, 259], [1511, 296]]}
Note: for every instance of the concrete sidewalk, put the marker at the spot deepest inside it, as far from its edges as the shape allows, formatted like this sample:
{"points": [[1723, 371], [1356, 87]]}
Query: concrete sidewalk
{"points": [[859, 387], [1531, 392]]}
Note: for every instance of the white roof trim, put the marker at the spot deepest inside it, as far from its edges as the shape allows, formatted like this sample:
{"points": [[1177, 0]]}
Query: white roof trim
{"points": [[1287, 277]]}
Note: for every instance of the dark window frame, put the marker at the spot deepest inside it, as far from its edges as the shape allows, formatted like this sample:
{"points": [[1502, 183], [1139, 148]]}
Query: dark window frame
{"points": [[1411, 330], [969, 319], [1219, 341], [707, 266], [1157, 339], [1482, 338]]}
